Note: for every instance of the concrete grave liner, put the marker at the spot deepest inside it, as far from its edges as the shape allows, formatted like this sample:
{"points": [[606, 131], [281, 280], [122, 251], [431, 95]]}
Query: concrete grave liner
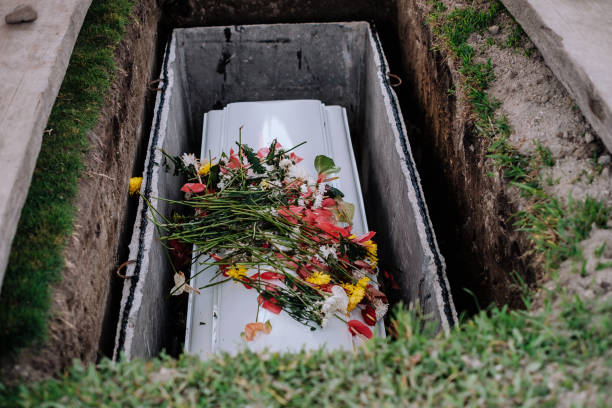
{"points": [[337, 63]]}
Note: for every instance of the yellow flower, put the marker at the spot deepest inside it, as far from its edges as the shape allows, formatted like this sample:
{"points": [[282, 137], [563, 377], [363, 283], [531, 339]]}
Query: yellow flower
{"points": [[135, 183], [319, 278], [264, 185], [372, 250], [348, 288], [204, 168], [237, 272], [356, 292], [355, 297], [363, 282]]}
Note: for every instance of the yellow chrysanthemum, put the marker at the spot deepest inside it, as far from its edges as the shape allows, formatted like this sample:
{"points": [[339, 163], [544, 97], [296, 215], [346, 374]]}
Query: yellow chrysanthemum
{"points": [[237, 272], [319, 278], [363, 282], [204, 168], [349, 288], [372, 250], [135, 183], [355, 297], [264, 184]]}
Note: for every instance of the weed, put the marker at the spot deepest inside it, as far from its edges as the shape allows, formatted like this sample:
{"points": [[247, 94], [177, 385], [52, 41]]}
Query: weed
{"points": [[599, 251]]}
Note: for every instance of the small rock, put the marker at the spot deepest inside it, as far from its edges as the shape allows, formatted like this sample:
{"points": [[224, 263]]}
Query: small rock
{"points": [[494, 29], [544, 98], [588, 137], [513, 74], [23, 13], [605, 159]]}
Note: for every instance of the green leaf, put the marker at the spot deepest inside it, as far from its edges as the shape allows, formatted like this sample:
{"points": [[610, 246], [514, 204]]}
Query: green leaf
{"points": [[253, 159], [333, 192], [326, 165]]}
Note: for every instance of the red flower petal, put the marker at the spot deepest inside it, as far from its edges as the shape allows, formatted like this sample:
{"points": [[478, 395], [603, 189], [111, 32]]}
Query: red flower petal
{"points": [[193, 188], [269, 304], [272, 276], [328, 202], [357, 327], [332, 229], [295, 157], [369, 315], [365, 237]]}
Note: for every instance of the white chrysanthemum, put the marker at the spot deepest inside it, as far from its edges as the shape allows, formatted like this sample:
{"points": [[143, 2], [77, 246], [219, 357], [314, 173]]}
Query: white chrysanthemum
{"points": [[304, 189], [189, 159], [380, 308], [221, 185], [271, 211], [298, 172], [327, 251], [318, 196], [337, 302], [285, 164]]}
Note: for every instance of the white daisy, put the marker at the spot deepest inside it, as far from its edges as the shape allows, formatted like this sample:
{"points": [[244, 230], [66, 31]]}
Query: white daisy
{"points": [[189, 159]]}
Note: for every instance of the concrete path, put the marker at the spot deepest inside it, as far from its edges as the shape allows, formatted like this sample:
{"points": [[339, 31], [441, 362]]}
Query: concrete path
{"points": [[575, 38], [33, 61]]}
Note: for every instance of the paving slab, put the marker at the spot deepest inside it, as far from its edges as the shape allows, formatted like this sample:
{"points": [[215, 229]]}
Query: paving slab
{"points": [[575, 39], [33, 61]]}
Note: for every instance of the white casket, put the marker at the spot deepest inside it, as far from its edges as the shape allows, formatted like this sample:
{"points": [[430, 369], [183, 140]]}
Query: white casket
{"points": [[206, 68], [217, 316]]}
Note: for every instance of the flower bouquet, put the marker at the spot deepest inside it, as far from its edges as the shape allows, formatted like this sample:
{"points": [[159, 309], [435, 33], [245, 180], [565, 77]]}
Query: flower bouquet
{"points": [[266, 224]]}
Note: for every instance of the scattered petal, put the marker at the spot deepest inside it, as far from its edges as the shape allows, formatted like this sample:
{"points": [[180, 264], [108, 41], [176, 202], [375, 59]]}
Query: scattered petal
{"points": [[180, 286], [193, 188], [251, 329]]}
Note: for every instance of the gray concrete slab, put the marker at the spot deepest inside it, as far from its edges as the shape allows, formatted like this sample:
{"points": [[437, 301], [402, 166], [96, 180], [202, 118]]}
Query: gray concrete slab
{"points": [[33, 61], [575, 38]]}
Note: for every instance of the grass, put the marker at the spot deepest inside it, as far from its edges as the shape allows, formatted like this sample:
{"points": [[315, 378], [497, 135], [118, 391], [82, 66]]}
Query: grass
{"points": [[555, 227], [36, 259], [498, 358]]}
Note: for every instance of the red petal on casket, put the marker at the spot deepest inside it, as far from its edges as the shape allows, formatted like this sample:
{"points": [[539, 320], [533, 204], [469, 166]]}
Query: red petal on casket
{"points": [[193, 188], [357, 327]]}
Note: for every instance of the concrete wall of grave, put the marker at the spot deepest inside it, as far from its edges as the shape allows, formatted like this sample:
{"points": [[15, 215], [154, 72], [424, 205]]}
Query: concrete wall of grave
{"points": [[338, 63]]}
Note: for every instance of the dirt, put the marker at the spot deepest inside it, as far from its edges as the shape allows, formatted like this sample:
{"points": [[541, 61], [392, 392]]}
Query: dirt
{"points": [[540, 110], [81, 300], [482, 249]]}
